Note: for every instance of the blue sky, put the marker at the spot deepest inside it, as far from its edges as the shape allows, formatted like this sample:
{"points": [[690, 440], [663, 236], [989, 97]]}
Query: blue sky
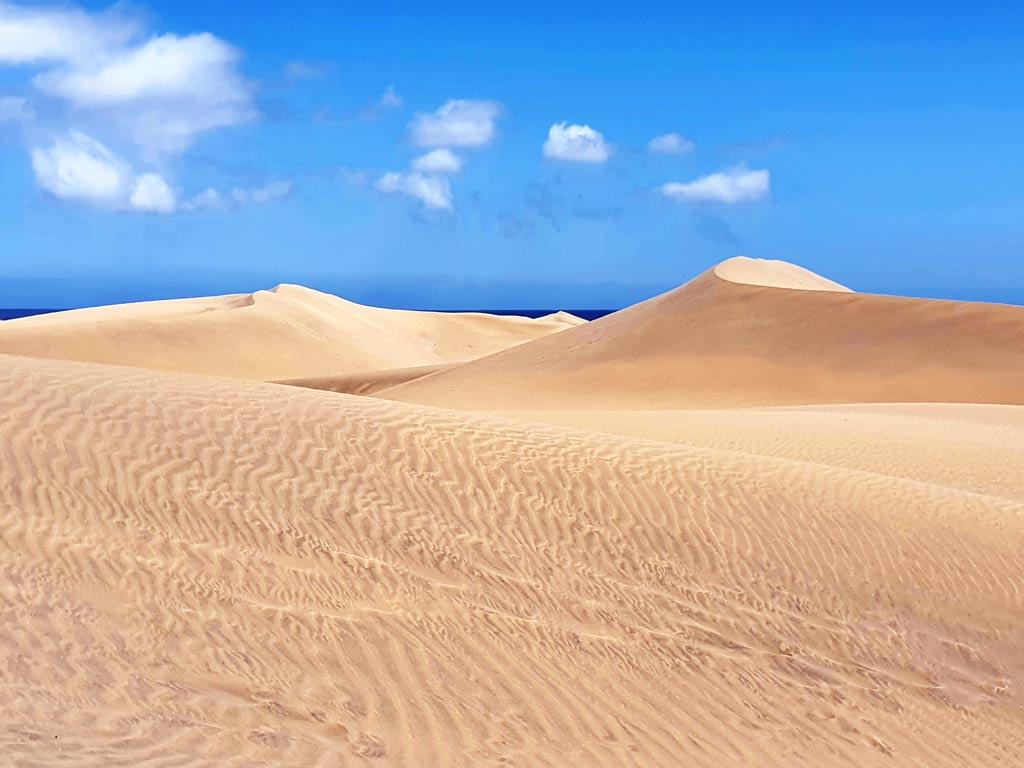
{"points": [[443, 156]]}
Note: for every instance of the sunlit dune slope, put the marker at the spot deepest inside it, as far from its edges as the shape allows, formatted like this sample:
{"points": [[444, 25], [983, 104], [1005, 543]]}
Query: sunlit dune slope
{"points": [[977, 448], [717, 342], [287, 332], [207, 571]]}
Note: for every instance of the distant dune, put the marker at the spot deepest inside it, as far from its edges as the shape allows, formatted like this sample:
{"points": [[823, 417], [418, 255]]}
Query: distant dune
{"points": [[287, 332], [752, 333], [592, 555]]}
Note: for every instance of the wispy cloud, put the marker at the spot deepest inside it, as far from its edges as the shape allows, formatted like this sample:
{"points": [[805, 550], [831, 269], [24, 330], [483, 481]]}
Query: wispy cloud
{"points": [[275, 190], [457, 123], [306, 70], [387, 101], [14, 109], [576, 143], [670, 144], [733, 185], [434, 192], [213, 201]]}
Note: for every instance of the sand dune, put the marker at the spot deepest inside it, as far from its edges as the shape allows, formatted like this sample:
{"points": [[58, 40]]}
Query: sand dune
{"points": [[201, 570], [751, 333], [367, 382], [620, 564], [287, 332], [976, 448]]}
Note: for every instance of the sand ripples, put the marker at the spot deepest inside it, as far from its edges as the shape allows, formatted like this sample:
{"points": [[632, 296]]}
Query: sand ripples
{"points": [[208, 571]]}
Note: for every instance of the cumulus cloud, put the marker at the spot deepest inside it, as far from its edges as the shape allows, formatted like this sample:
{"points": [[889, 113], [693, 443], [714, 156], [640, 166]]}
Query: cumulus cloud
{"points": [[164, 92], [32, 34], [458, 123], [79, 168], [158, 93], [438, 161], [733, 185], [576, 143], [433, 191], [670, 144]]}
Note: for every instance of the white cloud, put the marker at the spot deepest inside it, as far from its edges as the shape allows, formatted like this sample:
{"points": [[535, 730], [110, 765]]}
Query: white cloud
{"points": [[32, 34], [211, 200], [576, 143], [207, 200], [433, 191], [79, 168], [733, 185], [164, 92], [458, 123], [670, 144], [95, 69], [14, 109], [438, 161], [152, 194], [275, 190]]}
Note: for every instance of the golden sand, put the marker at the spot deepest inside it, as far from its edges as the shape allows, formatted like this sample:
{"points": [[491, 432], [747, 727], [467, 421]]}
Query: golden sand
{"points": [[595, 552]]}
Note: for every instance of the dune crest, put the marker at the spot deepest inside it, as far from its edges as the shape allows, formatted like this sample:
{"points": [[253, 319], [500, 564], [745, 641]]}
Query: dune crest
{"points": [[287, 332], [774, 274], [719, 343]]}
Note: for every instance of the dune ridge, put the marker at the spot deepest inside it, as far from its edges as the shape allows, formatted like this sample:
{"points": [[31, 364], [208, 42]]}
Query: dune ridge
{"points": [[250, 573], [719, 343], [287, 332]]}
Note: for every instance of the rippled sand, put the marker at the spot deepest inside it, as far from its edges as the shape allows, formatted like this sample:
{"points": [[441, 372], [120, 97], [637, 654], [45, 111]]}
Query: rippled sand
{"points": [[220, 571]]}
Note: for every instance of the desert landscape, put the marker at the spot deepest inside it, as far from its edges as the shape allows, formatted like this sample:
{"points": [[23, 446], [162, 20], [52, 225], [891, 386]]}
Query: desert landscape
{"points": [[758, 520]]}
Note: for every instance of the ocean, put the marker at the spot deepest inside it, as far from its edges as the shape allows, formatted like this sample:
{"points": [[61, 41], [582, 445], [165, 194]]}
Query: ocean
{"points": [[586, 314]]}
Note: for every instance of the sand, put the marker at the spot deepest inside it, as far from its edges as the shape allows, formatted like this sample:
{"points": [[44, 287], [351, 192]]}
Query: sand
{"points": [[202, 570], [287, 332], [716, 343]]}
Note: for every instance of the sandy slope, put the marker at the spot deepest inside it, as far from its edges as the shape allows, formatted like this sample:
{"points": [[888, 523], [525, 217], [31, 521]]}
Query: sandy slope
{"points": [[977, 448], [723, 340], [210, 571], [366, 382], [287, 332]]}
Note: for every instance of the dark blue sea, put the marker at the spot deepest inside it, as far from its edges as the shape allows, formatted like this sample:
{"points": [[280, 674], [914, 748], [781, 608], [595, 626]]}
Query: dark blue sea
{"points": [[586, 314]]}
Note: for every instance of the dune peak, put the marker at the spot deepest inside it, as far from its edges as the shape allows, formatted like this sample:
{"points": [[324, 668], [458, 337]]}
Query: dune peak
{"points": [[774, 273]]}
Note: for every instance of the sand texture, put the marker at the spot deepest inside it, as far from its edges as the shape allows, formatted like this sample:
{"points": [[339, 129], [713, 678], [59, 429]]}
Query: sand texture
{"points": [[207, 570]]}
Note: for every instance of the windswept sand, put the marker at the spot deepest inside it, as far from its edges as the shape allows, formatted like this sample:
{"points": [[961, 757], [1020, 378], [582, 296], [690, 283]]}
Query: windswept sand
{"points": [[287, 332], [215, 571], [716, 343]]}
